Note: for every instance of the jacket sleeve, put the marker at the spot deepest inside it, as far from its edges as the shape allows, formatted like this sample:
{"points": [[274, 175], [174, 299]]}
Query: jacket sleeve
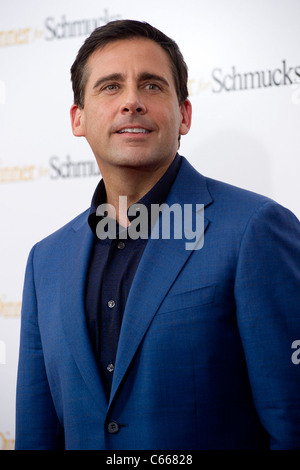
{"points": [[267, 292], [37, 425]]}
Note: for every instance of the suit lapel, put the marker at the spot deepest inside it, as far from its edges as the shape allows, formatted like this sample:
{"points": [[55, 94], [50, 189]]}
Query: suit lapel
{"points": [[77, 254], [160, 265]]}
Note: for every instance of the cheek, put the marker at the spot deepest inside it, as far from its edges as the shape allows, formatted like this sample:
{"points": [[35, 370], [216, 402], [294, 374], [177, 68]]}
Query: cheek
{"points": [[96, 121], [167, 116], [173, 122]]}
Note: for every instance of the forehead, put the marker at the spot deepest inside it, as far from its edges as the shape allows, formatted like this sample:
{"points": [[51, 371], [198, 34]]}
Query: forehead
{"points": [[130, 54]]}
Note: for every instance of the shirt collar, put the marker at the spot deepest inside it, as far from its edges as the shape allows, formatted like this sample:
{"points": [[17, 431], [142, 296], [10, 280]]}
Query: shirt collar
{"points": [[156, 195]]}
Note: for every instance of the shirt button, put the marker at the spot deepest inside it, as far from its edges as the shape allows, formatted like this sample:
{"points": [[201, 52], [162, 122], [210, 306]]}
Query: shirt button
{"points": [[113, 427], [110, 367], [121, 245], [111, 303]]}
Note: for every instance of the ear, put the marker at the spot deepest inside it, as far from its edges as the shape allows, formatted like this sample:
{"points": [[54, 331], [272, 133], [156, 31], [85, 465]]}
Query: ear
{"points": [[186, 121], [77, 121]]}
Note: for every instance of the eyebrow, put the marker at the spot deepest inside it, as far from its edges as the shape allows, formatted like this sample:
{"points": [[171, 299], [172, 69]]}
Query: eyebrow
{"points": [[108, 78], [120, 77], [152, 76]]}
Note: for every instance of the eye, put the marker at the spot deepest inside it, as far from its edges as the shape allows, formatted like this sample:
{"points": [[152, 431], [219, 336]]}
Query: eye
{"points": [[111, 87], [152, 87]]}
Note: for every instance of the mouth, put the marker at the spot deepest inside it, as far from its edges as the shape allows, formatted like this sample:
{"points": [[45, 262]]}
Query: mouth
{"points": [[134, 130]]}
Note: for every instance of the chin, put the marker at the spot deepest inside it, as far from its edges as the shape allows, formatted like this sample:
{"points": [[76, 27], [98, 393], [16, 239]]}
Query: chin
{"points": [[137, 160]]}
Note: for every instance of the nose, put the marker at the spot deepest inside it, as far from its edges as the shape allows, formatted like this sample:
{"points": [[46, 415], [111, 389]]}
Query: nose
{"points": [[133, 103]]}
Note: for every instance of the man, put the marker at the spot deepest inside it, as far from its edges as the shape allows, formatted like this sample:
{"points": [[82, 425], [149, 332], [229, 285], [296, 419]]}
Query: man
{"points": [[143, 342]]}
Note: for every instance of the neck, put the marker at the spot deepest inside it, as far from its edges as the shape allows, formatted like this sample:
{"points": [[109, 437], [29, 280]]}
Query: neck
{"points": [[133, 183]]}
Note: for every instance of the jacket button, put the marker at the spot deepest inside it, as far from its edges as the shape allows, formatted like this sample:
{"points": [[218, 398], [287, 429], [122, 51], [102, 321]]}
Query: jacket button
{"points": [[113, 427]]}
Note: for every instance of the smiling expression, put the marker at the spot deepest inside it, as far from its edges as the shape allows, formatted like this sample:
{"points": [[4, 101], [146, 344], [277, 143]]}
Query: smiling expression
{"points": [[131, 115]]}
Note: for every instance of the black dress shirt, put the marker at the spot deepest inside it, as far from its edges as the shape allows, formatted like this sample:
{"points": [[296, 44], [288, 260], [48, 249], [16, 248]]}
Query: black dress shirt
{"points": [[112, 267]]}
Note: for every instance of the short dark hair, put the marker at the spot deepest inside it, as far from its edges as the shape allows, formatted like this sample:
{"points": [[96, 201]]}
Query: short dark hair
{"points": [[126, 29]]}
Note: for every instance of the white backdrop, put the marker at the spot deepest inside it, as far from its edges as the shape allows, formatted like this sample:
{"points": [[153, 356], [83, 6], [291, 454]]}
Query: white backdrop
{"points": [[244, 68]]}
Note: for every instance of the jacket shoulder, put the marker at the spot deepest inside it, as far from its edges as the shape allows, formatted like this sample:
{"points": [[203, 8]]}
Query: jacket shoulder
{"points": [[229, 204], [230, 193], [213, 190], [60, 234]]}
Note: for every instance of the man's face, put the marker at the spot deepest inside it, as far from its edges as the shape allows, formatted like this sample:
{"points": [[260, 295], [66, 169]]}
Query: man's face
{"points": [[131, 116]]}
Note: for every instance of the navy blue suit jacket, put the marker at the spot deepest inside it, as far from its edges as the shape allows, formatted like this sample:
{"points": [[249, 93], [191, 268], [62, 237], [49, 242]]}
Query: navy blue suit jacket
{"points": [[204, 356]]}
